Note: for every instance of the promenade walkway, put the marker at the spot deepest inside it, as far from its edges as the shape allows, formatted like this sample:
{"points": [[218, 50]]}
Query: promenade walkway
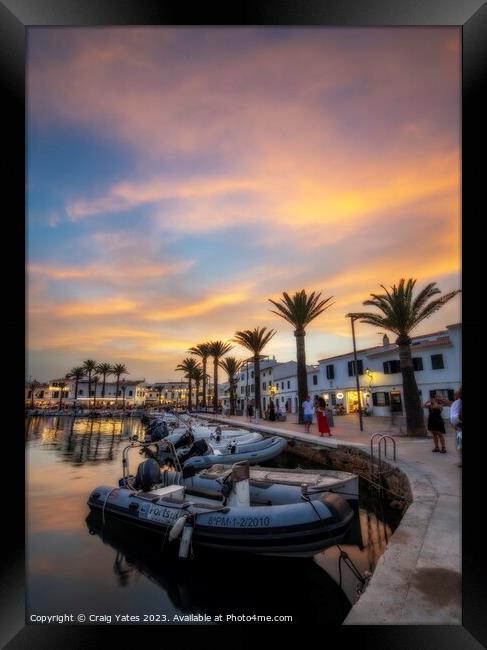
{"points": [[418, 578]]}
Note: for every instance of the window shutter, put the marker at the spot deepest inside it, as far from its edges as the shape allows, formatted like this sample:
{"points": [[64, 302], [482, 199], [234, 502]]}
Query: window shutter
{"points": [[374, 399], [386, 367], [388, 399], [350, 369], [451, 394], [360, 365]]}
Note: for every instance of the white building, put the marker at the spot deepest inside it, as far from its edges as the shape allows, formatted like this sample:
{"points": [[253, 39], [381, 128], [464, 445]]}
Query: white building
{"points": [[437, 362]]}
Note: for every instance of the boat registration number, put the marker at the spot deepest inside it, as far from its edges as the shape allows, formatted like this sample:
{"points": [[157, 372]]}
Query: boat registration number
{"points": [[240, 522], [160, 513]]}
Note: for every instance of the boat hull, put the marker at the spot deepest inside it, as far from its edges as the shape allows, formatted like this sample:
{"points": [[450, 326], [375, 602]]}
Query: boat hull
{"points": [[298, 529]]}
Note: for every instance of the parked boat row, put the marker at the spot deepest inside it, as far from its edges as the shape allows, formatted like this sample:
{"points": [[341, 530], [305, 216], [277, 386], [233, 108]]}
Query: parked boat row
{"points": [[227, 518]]}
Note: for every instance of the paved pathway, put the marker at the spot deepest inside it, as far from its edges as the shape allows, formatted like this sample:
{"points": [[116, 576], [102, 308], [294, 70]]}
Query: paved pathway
{"points": [[418, 578]]}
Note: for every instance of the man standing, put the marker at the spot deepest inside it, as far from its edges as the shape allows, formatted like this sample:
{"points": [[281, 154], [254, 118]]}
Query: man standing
{"points": [[308, 413], [456, 420]]}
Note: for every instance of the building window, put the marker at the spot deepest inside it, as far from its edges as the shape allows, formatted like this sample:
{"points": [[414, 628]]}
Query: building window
{"points": [[437, 362], [251, 374], [131, 393], [445, 393], [418, 364], [289, 384], [333, 399], [264, 385], [55, 394], [351, 368], [282, 385], [252, 388], [391, 367], [41, 395], [380, 399], [330, 371], [29, 394], [315, 380]]}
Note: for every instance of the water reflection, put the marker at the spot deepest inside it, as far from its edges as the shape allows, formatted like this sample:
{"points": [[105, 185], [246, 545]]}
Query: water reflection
{"points": [[123, 570], [82, 440], [214, 584]]}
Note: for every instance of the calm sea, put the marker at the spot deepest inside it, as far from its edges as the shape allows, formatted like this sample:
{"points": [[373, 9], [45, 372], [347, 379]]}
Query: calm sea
{"points": [[77, 566]]}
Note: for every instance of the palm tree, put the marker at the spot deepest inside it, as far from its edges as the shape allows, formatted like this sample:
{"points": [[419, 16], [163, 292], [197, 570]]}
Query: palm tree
{"points": [[255, 340], [159, 388], [217, 349], [231, 366], [119, 369], [62, 385], [33, 384], [188, 366], [96, 381], [104, 369], [300, 310], [77, 373], [89, 366], [401, 313], [198, 377], [202, 350]]}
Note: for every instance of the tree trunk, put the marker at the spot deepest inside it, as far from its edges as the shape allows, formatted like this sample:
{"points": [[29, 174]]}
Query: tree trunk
{"points": [[258, 405], [103, 387], [232, 399], [89, 389], [197, 392], [412, 402], [302, 373], [204, 382], [189, 394], [116, 390], [75, 394], [215, 387]]}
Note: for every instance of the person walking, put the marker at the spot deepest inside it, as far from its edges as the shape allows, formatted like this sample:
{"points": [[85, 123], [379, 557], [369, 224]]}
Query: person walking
{"points": [[456, 420], [321, 419], [435, 423], [308, 411], [250, 410], [272, 411]]}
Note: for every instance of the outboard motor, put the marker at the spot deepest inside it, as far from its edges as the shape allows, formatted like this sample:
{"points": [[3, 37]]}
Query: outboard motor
{"points": [[185, 440], [148, 475], [156, 435], [198, 448]]}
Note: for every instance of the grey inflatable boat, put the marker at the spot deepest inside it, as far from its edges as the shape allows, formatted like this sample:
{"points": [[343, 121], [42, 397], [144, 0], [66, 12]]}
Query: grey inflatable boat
{"points": [[229, 521]]}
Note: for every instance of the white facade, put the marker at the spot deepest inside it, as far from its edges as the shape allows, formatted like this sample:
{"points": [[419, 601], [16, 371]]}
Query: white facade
{"points": [[437, 358]]}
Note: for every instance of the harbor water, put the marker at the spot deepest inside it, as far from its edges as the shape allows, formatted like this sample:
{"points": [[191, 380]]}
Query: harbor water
{"points": [[78, 565]]}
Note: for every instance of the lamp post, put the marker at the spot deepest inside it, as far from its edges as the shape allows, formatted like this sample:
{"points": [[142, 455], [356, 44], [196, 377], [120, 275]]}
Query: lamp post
{"points": [[356, 375]]}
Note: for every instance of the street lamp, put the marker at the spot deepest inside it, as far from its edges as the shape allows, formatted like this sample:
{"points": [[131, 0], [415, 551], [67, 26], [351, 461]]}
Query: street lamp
{"points": [[352, 319]]}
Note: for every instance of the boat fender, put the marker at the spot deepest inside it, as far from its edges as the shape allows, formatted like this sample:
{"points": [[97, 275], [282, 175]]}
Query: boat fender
{"points": [[177, 528], [185, 543]]}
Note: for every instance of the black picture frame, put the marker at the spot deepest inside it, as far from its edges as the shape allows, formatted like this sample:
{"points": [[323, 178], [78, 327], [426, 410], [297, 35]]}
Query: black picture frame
{"points": [[15, 17]]}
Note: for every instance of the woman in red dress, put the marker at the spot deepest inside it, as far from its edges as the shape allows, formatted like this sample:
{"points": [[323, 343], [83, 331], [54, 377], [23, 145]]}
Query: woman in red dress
{"points": [[323, 426]]}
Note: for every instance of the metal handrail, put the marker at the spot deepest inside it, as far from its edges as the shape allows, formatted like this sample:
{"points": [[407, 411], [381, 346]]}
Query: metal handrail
{"points": [[382, 437]]}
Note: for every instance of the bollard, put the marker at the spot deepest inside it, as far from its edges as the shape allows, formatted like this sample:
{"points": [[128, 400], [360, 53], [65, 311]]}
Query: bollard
{"points": [[329, 415]]}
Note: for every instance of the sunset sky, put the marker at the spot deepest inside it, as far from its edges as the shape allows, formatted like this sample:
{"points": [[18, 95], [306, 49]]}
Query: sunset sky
{"points": [[179, 177]]}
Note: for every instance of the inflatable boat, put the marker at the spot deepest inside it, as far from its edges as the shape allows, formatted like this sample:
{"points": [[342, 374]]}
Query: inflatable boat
{"points": [[229, 521], [271, 485]]}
